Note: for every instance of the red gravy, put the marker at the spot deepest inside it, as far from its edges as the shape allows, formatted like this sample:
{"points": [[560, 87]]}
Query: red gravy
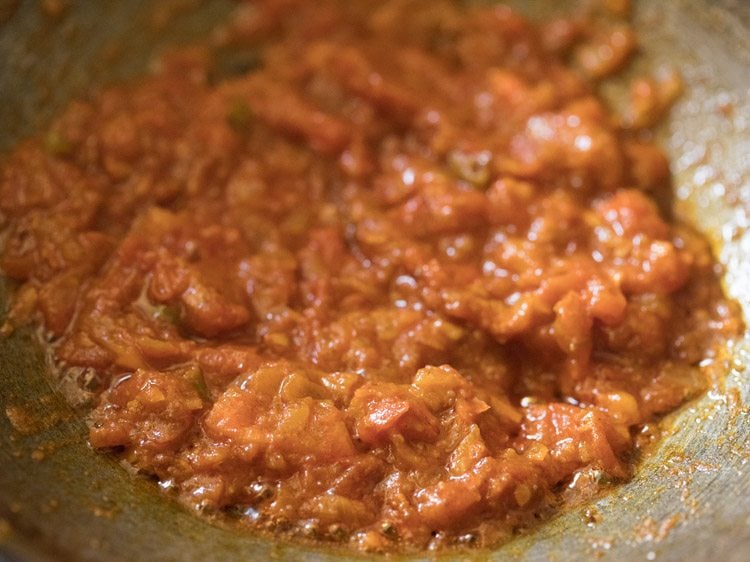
{"points": [[392, 285]]}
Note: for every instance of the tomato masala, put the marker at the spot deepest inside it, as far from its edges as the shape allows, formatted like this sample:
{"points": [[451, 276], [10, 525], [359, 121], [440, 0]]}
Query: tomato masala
{"points": [[395, 278]]}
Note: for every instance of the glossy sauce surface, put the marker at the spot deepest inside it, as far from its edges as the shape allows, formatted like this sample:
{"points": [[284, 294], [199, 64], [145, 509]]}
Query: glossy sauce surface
{"points": [[394, 283]]}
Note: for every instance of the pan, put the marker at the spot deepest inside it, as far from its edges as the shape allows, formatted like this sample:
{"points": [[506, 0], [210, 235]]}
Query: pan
{"points": [[690, 498]]}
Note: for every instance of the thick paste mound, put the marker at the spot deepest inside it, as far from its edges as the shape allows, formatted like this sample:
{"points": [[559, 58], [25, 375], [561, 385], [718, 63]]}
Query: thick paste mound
{"points": [[392, 281]]}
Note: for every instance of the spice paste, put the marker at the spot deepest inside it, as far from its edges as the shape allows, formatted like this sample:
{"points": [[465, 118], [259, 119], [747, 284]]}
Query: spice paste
{"points": [[393, 281]]}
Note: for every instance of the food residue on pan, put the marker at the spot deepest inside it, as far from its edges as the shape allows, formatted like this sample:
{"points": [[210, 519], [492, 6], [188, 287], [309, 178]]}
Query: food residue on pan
{"points": [[651, 530], [400, 280]]}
